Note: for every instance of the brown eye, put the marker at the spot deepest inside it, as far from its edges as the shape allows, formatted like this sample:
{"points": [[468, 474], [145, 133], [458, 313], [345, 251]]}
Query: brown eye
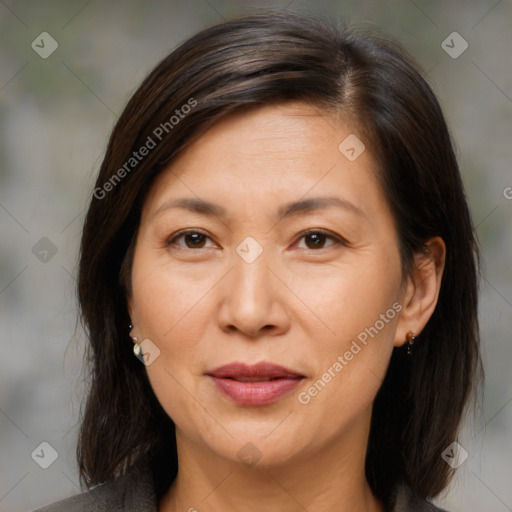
{"points": [[316, 239], [193, 239]]}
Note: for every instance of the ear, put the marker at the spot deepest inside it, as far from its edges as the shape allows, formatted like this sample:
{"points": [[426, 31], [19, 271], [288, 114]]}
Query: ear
{"points": [[421, 291]]}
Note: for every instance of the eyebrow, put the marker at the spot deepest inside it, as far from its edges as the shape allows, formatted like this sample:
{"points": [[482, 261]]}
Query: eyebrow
{"points": [[293, 208]]}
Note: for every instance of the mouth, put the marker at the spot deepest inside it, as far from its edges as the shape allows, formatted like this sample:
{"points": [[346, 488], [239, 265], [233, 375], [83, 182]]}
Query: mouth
{"points": [[260, 384], [252, 379]]}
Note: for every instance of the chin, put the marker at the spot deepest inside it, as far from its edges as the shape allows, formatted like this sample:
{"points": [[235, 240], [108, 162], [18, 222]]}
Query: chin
{"points": [[260, 446]]}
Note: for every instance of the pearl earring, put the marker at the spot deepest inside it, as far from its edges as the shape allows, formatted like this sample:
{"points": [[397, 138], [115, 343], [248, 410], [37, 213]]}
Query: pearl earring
{"points": [[136, 346]]}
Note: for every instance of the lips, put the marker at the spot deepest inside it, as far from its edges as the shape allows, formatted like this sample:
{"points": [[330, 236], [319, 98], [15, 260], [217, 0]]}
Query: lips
{"points": [[260, 384], [257, 372]]}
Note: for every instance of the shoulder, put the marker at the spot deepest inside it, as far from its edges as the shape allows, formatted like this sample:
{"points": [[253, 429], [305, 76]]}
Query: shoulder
{"points": [[405, 500], [133, 492]]}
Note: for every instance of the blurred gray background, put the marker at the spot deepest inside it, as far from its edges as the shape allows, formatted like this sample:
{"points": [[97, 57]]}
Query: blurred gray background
{"points": [[56, 114]]}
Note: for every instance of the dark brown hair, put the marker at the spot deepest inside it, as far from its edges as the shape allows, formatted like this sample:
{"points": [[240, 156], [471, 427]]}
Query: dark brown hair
{"points": [[255, 60]]}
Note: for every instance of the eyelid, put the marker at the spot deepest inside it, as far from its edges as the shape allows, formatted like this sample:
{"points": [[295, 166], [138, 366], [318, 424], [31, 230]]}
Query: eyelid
{"points": [[337, 238]]}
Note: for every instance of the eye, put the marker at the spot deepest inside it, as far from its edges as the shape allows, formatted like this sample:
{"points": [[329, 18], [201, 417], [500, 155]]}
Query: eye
{"points": [[317, 239], [193, 239]]}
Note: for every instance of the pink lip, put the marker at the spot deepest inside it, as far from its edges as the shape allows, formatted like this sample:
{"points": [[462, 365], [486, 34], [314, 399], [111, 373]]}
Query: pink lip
{"points": [[231, 380]]}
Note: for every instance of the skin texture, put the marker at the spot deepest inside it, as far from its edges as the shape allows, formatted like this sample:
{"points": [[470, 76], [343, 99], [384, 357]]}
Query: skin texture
{"points": [[298, 304]]}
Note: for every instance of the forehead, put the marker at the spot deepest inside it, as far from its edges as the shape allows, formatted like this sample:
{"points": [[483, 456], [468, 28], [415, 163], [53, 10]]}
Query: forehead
{"points": [[275, 153]]}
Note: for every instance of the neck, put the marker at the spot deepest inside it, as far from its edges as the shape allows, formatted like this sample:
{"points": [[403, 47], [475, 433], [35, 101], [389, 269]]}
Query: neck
{"points": [[329, 479]]}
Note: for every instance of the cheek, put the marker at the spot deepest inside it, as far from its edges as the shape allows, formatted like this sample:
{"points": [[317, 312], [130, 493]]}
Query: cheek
{"points": [[165, 297], [180, 401], [344, 301], [170, 311], [356, 309]]}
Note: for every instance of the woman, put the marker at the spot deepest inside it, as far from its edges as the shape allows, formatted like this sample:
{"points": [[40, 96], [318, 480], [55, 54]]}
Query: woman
{"points": [[280, 227]]}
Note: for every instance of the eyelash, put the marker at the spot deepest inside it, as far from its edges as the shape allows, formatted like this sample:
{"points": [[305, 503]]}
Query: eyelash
{"points": [[336, 239]]}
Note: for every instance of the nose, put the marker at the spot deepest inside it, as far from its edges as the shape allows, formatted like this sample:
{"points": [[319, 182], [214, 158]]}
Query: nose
{"points": [[254, 298]]}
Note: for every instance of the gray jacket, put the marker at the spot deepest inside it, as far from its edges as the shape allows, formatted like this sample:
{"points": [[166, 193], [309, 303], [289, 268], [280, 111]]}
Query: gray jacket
{"points": [[134, 492]]}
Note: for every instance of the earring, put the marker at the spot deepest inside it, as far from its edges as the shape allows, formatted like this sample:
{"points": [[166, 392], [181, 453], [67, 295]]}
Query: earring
{"points": [[136, 347], [410, 337]]}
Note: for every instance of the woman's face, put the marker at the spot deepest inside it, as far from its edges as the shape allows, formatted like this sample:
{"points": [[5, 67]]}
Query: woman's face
{"points": [[235, 279]]}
